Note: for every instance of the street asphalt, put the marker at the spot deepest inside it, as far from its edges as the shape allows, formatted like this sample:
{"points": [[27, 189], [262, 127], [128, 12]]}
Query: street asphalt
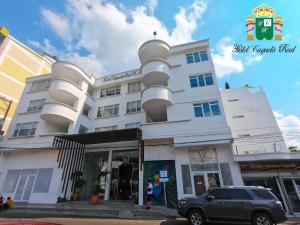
{"points": [[71, 221]]}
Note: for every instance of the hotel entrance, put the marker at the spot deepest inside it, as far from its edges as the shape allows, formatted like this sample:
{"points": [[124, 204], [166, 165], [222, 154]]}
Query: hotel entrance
{"points": [[124, 175], [110, 162]]}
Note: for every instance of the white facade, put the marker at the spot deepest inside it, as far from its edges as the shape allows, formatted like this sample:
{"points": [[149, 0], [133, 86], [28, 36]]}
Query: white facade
{"points": [[182, 120], [252, 122]]}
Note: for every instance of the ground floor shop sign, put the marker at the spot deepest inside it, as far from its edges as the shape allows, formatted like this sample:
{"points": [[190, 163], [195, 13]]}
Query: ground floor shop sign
{"points": [[152, 171], [269, 166]]}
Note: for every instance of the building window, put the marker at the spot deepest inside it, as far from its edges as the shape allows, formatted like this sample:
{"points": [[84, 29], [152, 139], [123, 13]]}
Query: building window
{"points": [[108, 111], [36, 105], [110, 91], [132, 125], [207, 109], [134, 87], [186, 179], [196, 57], [134, 106], [201, 80], [25, 129], [108, 128], [40, 85], [11, 181], [43, 180]]}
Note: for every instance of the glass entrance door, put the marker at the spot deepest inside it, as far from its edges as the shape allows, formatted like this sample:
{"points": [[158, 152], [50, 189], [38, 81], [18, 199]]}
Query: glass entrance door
{"points": [[199, 183], [292, 189], [124, 175]]}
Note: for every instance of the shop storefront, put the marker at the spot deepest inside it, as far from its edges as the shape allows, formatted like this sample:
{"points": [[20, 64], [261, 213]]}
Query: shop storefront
{"points": [[283, 177]]}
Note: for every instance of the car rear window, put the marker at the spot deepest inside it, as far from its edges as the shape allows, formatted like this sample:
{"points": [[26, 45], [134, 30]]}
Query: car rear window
{"points": [[263, 194]]}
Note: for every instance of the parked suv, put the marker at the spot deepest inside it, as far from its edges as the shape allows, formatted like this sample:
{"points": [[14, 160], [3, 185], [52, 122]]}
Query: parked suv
{"points": [[251, 205]]}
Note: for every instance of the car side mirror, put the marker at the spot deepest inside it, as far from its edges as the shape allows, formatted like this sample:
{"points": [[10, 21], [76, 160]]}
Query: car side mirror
{"points": [[210, 198]]}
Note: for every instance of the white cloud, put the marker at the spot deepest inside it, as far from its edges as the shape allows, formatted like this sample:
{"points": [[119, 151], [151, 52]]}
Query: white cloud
{"points": [[297, 84], [59, 23], [226, 62], [290, 127], [112, 34], [152, 5]]}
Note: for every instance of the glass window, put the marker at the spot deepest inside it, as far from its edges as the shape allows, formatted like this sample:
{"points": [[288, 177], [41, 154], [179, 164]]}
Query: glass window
{"points": [[10, 181], [40, 85], [213, 180], [206, 109], [263, 194], [108, 128], [25, 129], [132, 125], [43, 180], [220, 194], [196, 57], [194, 81], [134, 86], [110, 91], [108, 111], [134, 106], [215, 110], [36, 105], [203, 56], [201, 81], [186, 179], [239, 194], [189, 58], [198, 110], [208, 79]]}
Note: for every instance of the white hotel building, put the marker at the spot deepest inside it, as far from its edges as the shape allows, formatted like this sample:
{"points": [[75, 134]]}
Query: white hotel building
{"points": [[169, 114]]}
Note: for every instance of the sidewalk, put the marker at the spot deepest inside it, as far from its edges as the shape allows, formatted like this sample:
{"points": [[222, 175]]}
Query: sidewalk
{"points": [[105, 209]]}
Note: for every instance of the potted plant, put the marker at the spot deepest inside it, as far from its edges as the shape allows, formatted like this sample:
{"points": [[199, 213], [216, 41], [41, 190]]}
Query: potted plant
{"points": [[99, 188], [79, 183]]}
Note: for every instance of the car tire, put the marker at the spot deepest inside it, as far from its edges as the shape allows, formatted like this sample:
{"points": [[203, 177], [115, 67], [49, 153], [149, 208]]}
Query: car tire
{"points": [[196, 217], [261, 219]]}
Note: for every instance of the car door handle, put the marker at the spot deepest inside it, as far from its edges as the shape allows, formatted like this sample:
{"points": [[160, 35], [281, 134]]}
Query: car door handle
{"points": [[227, 203]]}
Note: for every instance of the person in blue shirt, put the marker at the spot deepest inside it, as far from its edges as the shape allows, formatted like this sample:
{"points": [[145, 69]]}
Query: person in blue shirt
{"points": [[149, 190]]}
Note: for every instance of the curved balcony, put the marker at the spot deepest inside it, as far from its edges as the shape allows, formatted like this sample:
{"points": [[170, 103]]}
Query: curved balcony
{"points": [[153, 49], [155, 100], [65, 91], [66, 70], [58, 113], [155, 72]]}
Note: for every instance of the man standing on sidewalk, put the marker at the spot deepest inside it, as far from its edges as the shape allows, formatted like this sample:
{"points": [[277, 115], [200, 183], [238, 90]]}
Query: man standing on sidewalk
{"points": [[149, 189]]}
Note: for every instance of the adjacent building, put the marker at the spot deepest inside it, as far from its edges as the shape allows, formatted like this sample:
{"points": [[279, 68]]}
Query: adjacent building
{"points": [[168, 115], [17, 62]]}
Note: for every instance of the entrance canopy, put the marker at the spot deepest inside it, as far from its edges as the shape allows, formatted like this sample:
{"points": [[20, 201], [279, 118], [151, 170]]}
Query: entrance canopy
{"points": [[72, 149], [105, 136]]}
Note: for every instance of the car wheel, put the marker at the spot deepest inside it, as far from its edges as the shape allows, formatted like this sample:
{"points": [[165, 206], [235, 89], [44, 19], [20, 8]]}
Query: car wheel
{"points": [[262, 219], [196, 218]]}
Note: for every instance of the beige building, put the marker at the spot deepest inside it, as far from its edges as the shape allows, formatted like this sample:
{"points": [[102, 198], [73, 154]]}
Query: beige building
{"points": [[17, 62]]}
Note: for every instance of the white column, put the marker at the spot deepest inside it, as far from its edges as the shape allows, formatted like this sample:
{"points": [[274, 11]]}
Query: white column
{"points": [[141, 186], [108, 177]]}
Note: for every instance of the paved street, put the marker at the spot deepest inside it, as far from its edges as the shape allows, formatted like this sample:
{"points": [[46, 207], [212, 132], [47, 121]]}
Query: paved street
{"points": [[68, 221]]}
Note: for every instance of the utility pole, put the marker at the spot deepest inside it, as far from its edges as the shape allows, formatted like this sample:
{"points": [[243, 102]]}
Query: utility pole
{"points": [[5, 105]]}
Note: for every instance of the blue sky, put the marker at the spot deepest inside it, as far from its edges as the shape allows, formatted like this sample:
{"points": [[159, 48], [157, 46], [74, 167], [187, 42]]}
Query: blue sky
{"points": [[103, 37]]}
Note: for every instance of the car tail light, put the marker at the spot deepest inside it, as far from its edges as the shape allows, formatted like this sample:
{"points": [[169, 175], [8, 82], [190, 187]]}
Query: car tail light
{"points": [[278, 203]]}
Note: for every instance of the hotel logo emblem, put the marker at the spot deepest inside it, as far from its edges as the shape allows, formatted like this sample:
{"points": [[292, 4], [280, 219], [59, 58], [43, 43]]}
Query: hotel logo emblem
{"points": [[264, 23]]}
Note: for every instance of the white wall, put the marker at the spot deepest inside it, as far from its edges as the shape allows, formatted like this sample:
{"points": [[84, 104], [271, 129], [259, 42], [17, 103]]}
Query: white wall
{"points": [[258, 121], [35, 160]]}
